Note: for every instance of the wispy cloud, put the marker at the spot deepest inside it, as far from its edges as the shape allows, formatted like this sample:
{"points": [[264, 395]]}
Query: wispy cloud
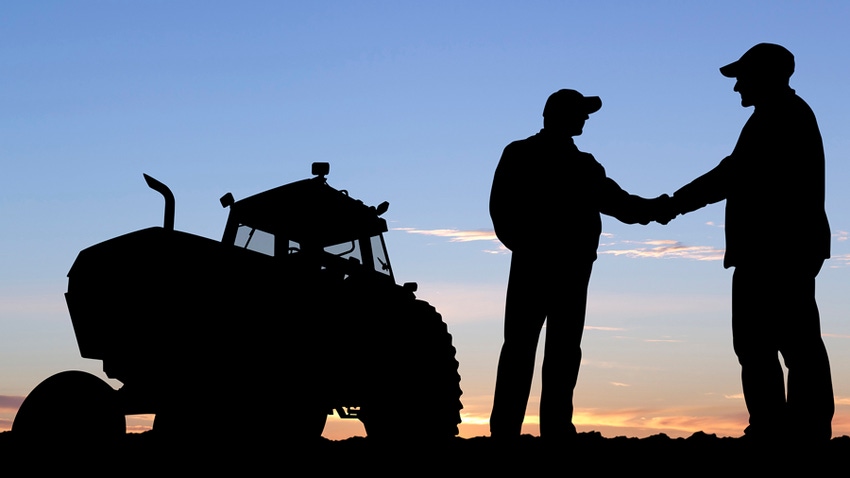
{"points": [[728, 419], [10, 403], [139, 423], [662, 248], [839, 260], [605, 329], [610, 365], [674, 421], [842, 400], [453, 235], [653, 248], [457, 235]]}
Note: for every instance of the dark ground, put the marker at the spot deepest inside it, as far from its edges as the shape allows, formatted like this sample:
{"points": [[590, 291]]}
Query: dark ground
{"points": [[591, 453]]}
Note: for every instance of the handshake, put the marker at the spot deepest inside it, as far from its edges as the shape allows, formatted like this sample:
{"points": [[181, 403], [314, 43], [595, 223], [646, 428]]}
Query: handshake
{"points": [[661, 210]]}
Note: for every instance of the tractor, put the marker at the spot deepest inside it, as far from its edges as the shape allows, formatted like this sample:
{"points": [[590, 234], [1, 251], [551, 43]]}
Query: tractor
{"points": [[294, 315]]}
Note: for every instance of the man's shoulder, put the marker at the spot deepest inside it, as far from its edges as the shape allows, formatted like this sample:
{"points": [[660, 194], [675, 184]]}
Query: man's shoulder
{"points": [[529, 142], [791, 106], [540, 141]]}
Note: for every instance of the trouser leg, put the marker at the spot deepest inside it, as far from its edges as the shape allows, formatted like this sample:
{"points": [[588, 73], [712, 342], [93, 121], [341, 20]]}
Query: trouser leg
{"points": [[811, 403], [774, 312], [562, 353], [754, 342], [524, 316]]}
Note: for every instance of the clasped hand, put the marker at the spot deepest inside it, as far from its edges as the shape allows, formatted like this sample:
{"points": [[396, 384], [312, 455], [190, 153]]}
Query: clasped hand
{"points": [[661, 209]]}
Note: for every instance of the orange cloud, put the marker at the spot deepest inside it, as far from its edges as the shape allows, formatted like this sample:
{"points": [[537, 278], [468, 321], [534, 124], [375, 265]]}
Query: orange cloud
{"points": [[674, 422], [633, 422]]}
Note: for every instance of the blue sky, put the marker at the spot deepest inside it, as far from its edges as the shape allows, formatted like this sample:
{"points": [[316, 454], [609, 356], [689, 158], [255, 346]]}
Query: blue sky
{"points": [[412, 102]]}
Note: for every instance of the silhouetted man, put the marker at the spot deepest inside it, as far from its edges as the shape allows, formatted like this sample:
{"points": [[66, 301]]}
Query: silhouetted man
{"points": [[777, 238], [545, 204]]}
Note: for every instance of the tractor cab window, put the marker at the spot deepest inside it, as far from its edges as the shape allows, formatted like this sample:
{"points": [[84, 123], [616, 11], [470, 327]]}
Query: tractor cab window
{"points": [[379, 253], [346, 250], [353, 251], [254, 239]]}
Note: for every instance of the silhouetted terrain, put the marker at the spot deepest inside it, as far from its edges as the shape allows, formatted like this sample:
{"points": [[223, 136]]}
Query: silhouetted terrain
{"points": [[659, 455]]}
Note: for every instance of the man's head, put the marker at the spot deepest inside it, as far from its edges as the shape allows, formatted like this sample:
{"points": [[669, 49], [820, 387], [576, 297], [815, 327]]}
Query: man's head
{"points": [[761, 71], [567, 110]]}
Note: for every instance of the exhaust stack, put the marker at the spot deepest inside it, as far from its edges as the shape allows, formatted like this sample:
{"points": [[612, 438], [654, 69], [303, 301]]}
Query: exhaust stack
{"points": [[168, 222]]}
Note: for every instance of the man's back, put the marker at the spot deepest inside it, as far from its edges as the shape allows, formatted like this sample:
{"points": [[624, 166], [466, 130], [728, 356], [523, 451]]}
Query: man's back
{"points": [[543, 196], [776, 177]]}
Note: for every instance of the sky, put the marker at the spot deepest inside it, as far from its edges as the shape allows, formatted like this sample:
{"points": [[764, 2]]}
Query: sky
{"points": [[412, 103]]}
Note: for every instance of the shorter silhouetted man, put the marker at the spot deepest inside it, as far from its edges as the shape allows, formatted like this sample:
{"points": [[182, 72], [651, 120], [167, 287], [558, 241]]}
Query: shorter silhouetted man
{"points": [[777, 238], [545, 204]]}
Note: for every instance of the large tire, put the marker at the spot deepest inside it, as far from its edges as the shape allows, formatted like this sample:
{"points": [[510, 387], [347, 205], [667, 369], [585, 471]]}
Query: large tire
{"points": [[417, 388], [71, 409]]}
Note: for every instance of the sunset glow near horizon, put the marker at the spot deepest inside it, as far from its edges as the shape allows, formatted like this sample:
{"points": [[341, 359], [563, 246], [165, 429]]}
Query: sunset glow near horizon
{"points": [[412, 103]]}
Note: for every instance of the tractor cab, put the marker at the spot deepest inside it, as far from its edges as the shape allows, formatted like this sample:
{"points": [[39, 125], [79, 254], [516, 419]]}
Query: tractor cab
{"points": [[309, 219]]}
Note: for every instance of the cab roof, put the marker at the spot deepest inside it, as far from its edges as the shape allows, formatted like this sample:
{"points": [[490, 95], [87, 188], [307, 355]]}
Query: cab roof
{"points": [[309, 212]]}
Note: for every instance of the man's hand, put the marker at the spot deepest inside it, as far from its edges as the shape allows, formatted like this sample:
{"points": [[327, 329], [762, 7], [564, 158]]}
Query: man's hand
{"points": [[662, 209]]}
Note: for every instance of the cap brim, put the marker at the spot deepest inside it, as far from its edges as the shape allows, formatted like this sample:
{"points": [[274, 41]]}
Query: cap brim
{"points": [[731, 70], [592, 104]]}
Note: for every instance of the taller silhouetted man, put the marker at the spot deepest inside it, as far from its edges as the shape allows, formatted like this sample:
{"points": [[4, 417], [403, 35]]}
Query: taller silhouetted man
{"points": [[777, 238], [545, 204]]}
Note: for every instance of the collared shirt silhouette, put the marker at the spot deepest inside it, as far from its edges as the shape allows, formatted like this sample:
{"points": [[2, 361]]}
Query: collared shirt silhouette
{"points": [[545, 204], [777, 238]]}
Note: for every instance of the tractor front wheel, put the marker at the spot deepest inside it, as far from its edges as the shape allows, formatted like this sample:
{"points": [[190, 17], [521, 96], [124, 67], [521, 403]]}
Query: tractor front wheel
{"points": [[71, 408], [418, 382]]}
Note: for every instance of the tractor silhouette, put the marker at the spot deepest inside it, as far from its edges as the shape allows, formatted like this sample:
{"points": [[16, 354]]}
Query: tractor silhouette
{"points": [[293, 315]]}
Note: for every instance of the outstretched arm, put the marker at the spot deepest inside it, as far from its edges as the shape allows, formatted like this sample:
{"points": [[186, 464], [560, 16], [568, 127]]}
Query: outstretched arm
{"points": [[633, 209], [707, 189]]}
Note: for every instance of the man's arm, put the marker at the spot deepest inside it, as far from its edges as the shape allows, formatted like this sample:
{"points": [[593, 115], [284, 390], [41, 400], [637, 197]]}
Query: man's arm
{"points": [[709, 188], [630, 208], [504, 194]]}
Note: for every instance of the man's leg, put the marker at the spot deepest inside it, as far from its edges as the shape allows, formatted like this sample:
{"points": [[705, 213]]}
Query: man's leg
{"points": [[753, 334], [567, 304], [524, 318], [811, 403]]}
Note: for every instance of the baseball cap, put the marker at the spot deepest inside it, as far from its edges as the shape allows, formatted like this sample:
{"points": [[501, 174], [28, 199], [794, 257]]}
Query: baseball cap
{"points": [[765, 60], [571, 101]]}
